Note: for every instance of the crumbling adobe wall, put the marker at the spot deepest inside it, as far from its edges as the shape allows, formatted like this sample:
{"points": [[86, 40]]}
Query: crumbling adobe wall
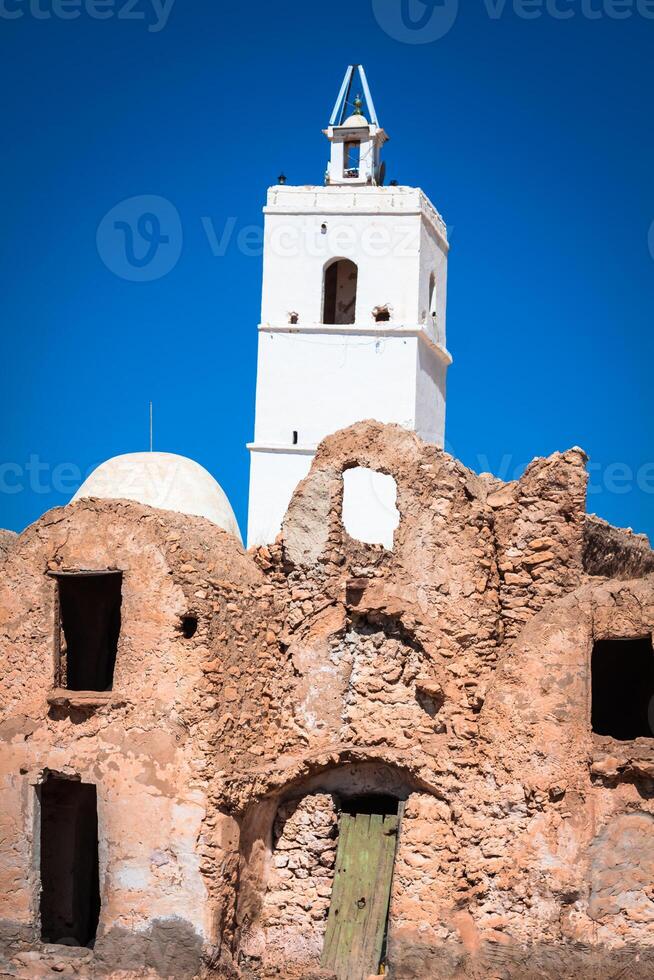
{"points": [[451, 672], [574, 871], [296, 904], [7, 539], [539, 527], [471, 563], [425, 879], [394, 658], [149, 745], [615, 552]]}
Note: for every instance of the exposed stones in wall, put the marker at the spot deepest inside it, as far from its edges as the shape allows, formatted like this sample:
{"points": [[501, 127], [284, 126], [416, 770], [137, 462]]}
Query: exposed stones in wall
{"points": [[296, 905], [382, 702], [425, 886], [7, 540], [614, 552], [452, 672], [539, 527]]}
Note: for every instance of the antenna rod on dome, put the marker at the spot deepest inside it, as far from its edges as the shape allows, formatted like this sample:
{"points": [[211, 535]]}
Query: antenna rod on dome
{"points": [[150, 426]]}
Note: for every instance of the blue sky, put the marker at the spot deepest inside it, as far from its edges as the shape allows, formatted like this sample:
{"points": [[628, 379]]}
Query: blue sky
{"points": [[528, 123]]}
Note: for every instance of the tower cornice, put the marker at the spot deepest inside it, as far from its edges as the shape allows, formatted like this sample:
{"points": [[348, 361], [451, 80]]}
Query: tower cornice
{"points": [[338, 200]]}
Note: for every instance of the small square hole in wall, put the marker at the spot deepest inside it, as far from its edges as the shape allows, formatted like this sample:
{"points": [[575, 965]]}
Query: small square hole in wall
{"points": [[189, 626], [370, 513], [88, 629], [623, 688]]}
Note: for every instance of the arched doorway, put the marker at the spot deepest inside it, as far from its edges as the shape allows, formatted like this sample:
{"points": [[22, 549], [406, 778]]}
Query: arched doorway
{"points": [[340, 292]]}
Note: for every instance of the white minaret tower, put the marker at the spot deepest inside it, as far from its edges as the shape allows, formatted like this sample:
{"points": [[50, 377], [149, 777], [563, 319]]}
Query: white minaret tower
{"points": [[353, 311]]}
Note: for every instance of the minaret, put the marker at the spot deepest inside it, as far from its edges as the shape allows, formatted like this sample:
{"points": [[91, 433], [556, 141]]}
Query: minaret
{"points": [[353, 310]]}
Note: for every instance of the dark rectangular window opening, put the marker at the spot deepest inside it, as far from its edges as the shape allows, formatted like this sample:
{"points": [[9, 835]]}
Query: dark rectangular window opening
{"points": [[70, 882], [372, 803], [623, 689], [89, 627], [295, 437], [352, 157]]}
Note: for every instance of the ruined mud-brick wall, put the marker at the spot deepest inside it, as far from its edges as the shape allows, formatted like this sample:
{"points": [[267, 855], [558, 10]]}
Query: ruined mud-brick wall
{"points": [[168, 858], [7, 539], [615, 553], [579, 868], [393, 659], [294, 915], [451, 672]]}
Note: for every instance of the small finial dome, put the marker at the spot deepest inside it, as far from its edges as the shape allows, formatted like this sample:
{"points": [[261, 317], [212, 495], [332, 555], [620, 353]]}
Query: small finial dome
{"points": [[356, 121]]}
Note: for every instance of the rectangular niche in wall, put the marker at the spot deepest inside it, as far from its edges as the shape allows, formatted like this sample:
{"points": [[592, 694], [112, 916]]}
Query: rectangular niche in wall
{"points": [[70, 889], [623, 688], [88, 629]]}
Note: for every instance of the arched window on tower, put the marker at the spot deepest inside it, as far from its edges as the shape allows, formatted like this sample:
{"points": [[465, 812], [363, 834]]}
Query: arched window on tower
{"points": [[340, 292]]}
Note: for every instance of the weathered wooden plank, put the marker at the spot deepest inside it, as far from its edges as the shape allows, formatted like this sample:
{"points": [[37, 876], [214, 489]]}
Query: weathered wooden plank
{"points": [[332, 933], [356, 924], [375, 930]]}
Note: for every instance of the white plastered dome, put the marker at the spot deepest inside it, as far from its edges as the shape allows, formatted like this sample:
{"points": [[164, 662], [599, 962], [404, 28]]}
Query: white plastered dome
{"points": [[165, 481], [356, 121]]}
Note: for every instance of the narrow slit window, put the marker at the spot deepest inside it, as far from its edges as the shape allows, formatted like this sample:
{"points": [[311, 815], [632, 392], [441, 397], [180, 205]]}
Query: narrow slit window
{"points": [[70, 887], [295, 437], [89, 628], [623, 689], [432, 295]]}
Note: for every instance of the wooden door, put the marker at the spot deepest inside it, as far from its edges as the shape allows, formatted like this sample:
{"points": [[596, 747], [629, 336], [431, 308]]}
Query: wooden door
{"points": [[356, 926]]}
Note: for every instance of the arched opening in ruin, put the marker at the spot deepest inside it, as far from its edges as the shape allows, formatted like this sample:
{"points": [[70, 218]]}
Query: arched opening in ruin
{"points": [[326, 882], [340, 292], [370, 513]]}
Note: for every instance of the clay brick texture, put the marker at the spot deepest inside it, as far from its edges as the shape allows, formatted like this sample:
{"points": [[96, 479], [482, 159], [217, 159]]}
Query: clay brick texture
{"points": [[464, 676]]}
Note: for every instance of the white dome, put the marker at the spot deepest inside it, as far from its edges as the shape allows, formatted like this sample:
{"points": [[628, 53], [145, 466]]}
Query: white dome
{"points": [[356, 121], [165, 481]]}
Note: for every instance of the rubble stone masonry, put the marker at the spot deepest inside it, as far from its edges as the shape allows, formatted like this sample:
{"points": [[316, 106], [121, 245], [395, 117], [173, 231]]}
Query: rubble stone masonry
{"points": [[452, 673]]}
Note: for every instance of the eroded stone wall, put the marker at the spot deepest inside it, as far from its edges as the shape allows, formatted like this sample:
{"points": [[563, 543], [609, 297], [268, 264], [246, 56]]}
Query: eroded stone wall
{"points": [[296, 904], [451, 672]]}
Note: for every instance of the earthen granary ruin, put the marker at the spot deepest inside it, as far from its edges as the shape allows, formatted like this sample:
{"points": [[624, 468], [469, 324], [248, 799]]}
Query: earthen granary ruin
{"points": [[411, 734], [188, 730]]}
